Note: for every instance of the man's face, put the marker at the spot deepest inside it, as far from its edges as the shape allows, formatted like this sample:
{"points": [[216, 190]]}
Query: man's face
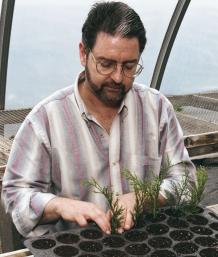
{"points": [[112, 88]]}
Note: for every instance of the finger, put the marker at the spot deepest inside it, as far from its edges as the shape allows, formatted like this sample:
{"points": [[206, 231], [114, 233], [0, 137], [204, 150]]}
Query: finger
{"points": [[103, 224], [101, 220], [129, 221], [81, 221], [120, 230]]}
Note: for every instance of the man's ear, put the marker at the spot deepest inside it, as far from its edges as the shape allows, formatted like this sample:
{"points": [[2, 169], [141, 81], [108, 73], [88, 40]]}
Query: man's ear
{"points": [[82, 54]]}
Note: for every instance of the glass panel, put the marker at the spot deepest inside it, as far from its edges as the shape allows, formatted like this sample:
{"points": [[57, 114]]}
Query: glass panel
{"points": [[0, 7], [44, 45], [192, 70], [192, 65]]}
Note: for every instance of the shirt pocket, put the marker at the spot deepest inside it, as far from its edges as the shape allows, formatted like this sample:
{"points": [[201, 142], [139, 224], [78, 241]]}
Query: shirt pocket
{"points": [[144, 166]]}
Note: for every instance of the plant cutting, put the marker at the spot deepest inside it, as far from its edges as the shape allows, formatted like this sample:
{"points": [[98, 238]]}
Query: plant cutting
{"points": [[196, 191], [140, 190], [146, 192], [153, 190], [178, 199], [186, 195], [113, 203]]}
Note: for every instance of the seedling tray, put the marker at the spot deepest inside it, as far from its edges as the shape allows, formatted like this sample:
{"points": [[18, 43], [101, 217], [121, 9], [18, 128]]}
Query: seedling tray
{"points": [[167, 236]]}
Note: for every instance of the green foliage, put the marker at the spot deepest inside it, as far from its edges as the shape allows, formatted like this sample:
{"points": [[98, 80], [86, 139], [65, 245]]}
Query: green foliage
{"points": [[196, 191], [154, 187], [140, 189], [180, 192], [113, 203], [146, 192], [178, 108], [153, 190], [188, 195]]}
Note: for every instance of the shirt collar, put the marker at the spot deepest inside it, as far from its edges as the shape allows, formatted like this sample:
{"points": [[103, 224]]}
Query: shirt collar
{"points": [[82, 108]]}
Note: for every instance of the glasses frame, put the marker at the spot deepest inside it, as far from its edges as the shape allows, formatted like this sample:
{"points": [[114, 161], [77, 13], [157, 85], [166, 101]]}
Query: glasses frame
{"points": [[141, 67]]}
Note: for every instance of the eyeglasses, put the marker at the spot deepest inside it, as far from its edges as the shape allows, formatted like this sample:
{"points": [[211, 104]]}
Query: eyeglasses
{"points": [[107, 67]]}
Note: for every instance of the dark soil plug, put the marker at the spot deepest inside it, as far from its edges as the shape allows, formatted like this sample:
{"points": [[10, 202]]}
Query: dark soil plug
{"points": [[43, 243], [66, 251], [68, 238]]}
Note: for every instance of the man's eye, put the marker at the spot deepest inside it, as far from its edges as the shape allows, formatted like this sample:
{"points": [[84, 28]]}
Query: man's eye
{"points": [[107, 64], [130, 66]]}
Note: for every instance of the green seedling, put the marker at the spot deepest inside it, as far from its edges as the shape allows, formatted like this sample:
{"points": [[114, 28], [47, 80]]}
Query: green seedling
{"points": [[153, 190], [196, 191], [188, 195], [146, 191], [140, 190], [113, 204], [154, 186], [180, 193]]}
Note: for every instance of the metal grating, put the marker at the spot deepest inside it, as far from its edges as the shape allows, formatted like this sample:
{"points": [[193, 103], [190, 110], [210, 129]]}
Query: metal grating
{"points": [[5, 146], [197, 113], [10, 121]]}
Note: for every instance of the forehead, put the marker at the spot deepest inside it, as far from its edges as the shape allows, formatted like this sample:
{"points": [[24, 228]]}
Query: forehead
{"points": [[116, 47]]}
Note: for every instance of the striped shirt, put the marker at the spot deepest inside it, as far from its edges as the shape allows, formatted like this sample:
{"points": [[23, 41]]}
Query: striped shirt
{"points": [[60, 144]]}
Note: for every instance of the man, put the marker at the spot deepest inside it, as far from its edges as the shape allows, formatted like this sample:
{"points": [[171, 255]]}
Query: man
{"points": [[94, 129]]}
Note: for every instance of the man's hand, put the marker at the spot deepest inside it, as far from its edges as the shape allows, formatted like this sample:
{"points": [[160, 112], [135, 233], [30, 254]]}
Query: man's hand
{"points": [[127, 201], [76, 211]]}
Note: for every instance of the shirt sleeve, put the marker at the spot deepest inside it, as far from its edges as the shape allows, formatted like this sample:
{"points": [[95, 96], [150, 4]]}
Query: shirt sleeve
{"points": [[26, 187], [173, 151]]}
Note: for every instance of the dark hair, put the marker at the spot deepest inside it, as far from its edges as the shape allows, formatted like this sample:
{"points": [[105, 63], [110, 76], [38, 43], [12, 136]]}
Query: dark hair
{"points": [[113, 18]]}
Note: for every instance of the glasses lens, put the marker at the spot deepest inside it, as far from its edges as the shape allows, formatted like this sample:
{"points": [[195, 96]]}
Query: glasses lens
{"points": [[105, 68], [133, 72]]}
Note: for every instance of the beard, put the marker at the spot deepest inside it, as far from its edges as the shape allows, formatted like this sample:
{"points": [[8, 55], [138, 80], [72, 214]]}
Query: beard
{"points": [[109, 93]]}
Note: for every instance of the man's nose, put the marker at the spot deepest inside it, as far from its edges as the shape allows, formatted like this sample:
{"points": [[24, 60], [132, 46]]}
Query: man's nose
{"points": [[117, 74]]}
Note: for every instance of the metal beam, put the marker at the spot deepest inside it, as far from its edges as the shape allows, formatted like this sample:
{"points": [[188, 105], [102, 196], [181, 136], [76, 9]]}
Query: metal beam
{"points": [[168, 42], [5, 33]]}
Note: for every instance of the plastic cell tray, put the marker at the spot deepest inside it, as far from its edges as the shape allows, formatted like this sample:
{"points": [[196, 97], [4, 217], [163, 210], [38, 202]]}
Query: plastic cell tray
{"points": [[194, 235]]}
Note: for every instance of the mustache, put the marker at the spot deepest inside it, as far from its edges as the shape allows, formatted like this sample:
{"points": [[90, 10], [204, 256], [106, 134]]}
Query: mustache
{"points": [[114, 85]]}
